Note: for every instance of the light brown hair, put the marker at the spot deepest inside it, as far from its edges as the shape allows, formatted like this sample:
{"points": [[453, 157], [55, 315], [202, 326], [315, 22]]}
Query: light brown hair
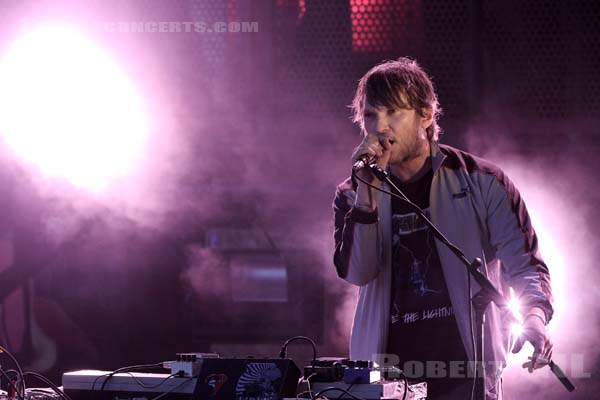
{"points": [[400, 83]]}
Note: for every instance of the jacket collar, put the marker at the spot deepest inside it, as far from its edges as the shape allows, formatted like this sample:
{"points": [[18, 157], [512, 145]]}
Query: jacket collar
{"points": [[437, 157]]}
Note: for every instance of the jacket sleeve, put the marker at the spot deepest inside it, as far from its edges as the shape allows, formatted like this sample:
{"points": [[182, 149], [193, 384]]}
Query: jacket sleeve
{"points": [[516, 245], [357, 238]]}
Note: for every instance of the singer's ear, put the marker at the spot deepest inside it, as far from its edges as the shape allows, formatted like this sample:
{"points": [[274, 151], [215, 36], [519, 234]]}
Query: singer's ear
{"points": [[426, 117]]}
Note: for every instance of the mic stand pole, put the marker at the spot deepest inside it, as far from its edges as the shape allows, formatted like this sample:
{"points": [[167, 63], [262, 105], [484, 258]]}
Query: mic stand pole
{"points": [[480, 300]]}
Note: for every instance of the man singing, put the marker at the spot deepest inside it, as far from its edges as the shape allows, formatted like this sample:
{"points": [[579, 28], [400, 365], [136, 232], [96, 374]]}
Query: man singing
{"points": [[413, 302]]}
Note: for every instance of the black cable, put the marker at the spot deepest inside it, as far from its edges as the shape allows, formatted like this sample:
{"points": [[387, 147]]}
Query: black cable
{"points": [[122, 369], [172, 389], [405, 386], [283, 352], [329, 389], [49, 383], [11, 382], [474, 383], [5, 327], [307, 380], [96, 380], [349, 387], [19, 370], [142, 384], [299, 395], [309, 391], [439, 235], [125, 369]]}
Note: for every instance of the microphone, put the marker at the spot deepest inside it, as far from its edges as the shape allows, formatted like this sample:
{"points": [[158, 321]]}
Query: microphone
{"points": [[363, 161]]}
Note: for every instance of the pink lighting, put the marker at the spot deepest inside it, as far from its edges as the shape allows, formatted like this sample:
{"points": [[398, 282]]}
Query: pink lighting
{"points": [[67, 109], [551, 224]]}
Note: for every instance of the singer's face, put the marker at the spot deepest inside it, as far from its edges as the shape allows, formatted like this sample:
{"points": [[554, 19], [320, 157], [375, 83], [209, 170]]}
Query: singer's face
{"points": [[404, 128]]}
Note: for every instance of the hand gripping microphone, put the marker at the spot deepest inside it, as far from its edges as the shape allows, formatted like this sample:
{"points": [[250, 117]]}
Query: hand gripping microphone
{"points": [[366, 159], [363, 161]]}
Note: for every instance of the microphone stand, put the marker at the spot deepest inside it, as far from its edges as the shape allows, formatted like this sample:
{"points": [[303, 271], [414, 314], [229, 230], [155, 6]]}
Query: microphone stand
{"points": [[480, 300]]}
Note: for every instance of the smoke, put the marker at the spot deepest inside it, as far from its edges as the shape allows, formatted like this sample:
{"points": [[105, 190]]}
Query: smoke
{"points": [[218, 155], [201, 274], [557, 179]]}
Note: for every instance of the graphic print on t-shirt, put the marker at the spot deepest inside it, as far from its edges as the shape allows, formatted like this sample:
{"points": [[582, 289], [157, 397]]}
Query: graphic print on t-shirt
{"points": [[422, 325], [405, 225], [417, 270]]}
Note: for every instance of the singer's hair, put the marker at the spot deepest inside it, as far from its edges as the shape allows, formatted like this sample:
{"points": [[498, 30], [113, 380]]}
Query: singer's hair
{"points": [[399, 83]]}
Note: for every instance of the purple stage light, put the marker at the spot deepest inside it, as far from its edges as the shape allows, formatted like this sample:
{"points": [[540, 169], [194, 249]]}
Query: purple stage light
{"points": [[68, 109]]}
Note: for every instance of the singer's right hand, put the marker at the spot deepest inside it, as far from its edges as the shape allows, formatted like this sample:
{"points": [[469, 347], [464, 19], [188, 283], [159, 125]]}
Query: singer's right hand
{"points": [[374, 146]]}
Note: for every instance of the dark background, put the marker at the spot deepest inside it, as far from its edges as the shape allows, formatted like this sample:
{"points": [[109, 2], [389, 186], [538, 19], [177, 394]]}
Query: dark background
{"points": [[263, 135]]}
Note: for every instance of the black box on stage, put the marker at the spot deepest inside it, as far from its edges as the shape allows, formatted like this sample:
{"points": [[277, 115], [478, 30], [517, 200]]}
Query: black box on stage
{"points": [[247, 379], [219, 379]]}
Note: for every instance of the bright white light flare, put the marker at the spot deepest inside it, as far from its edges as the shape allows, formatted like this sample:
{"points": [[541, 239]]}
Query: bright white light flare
{"points": [[68, 109], [515, 331], [516, 328], [514, 306]]}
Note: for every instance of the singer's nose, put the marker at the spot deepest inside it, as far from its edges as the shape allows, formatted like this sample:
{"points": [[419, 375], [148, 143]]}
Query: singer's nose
{"points": [[382, 127]]}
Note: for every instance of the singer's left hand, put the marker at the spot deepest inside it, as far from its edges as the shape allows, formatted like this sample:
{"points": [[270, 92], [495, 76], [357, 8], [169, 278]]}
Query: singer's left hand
{"points": [[534, 331]]}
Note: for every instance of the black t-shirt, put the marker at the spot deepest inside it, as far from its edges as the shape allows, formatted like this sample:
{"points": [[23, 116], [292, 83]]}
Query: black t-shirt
{"points": [[422, 325]]}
